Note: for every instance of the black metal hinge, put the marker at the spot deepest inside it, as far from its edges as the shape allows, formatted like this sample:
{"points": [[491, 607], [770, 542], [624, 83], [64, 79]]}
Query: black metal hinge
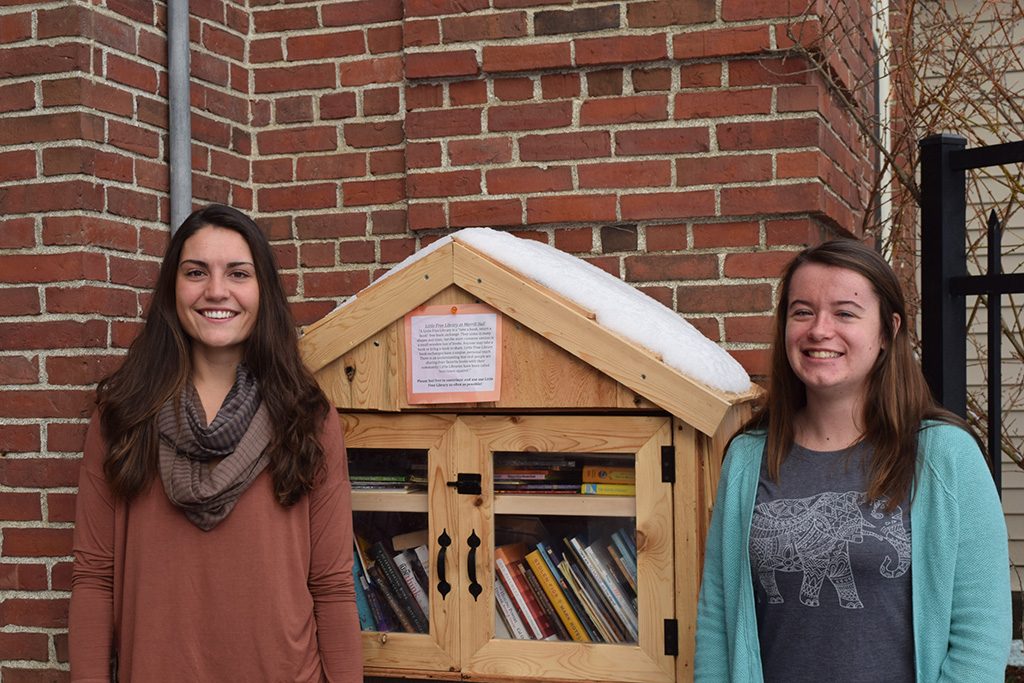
{"points": [[668, 464], [671, 638], [467, 483]]}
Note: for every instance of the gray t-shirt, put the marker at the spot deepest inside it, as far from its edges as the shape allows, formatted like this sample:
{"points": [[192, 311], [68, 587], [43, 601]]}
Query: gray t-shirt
{"points": [[831, 574]]}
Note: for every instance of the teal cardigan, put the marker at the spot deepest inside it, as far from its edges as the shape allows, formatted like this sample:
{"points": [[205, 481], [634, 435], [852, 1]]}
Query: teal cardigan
{"points": [[959, 565]]}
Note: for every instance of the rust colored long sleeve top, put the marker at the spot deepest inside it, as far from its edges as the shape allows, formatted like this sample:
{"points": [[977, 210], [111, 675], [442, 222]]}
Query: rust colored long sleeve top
{"points": [[266, 595]]}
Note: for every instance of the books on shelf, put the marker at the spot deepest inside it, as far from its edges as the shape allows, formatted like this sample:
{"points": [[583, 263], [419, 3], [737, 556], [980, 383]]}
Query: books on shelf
{"points": [[583, 591], [608, 474], [509, 616], [608, 489], [393, 584]]}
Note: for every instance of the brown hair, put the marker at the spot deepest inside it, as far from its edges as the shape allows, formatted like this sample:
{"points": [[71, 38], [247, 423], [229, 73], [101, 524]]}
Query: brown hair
{"points": [[159, 364], [897, 400]]}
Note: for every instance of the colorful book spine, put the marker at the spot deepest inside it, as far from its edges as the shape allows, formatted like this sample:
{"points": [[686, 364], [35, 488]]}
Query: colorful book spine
{"points": [[366, 621], [553, 561], [509, 615], [404, 561], [588, 583], [393, 576], [383, 618], [383, 585], [613, 553], [608, 489], [609, 585], [601, 625], [542, 599], [619, 539], [599, 474], [550, 586], [505, 558]]}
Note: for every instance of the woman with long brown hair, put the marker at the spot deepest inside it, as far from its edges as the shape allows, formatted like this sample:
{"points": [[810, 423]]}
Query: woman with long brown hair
{"points": [[213, 531], [857, 534]]}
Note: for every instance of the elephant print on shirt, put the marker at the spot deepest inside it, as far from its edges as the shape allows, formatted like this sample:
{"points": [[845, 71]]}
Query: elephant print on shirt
{"points": [[813, 535]]}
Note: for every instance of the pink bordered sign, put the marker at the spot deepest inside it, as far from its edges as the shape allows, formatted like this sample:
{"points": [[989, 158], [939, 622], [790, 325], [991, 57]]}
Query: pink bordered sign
{"points": [[453, 354]]}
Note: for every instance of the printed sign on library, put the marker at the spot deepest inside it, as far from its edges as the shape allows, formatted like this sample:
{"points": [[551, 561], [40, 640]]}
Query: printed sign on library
{"points": [[453, 354]]}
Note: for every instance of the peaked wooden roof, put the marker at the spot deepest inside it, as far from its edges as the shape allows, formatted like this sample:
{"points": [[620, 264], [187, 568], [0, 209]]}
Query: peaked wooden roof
{"points": [[547, 313]]}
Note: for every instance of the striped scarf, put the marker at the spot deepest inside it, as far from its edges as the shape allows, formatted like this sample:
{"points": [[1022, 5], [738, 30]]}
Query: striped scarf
{"points": [[206, 468]]}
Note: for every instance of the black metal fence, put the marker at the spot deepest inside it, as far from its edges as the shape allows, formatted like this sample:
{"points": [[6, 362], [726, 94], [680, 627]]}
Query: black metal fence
{"points": [[945, 284]]}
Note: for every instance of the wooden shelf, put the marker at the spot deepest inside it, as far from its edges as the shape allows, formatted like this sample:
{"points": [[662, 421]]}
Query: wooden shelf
{"points": [[389, 501], [578, 506]]}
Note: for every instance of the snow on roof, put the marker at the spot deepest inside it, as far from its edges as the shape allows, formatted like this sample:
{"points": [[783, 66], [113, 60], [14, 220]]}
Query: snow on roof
{"points": [[616, 305]]}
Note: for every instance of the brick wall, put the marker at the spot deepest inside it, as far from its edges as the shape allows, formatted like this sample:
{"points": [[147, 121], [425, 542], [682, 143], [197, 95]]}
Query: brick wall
{"points": [[669, 142]]}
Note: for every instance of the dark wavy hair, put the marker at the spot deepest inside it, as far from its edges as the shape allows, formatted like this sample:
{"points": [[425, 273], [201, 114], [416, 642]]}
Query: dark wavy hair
{"points": [[898, 398], [159, 363]]}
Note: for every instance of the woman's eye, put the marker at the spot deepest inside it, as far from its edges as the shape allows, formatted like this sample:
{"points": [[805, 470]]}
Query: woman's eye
{"points": [[240, 274], [194, 272], [800, 313]]}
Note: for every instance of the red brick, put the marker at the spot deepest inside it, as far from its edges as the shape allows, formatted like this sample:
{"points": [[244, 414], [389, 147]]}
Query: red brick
{"points": [[583, 20], [294, 140], [39, 612], [572, 146], [443, 184], [364, 193], [24, 646], [34, 129], [294, 197], [757, 264], [81, 370], [19, 370], [376, 70], [716, 170], [131, 73], [331, 166], [222, 42], [731, 102], [621, 50], [132, 204], [52, 334], [15, 27], [533, 57], [686, 140], [513, 89], [91, 299], [665, 237], [91, 231], [330, 226], [336, 283], [423, 97], [430, 8], [525, 179], [788, 133], [17, 97], [755, 361], [65, 195], [605, 83], [392, 251], [467, 92], [618, 238], [764, 71], [316, 255], [797, 98], [340, 105], [75, 91], [52, 267], [441, 64], [670, 13], [60, 507], [22, 576], [206, 67], [374, 134], [80, 160], [575, 240], [17, 232], [663, 295], [387, 162], [134, 138], [718, 298], [12, 674], [266, 50], [529, 116], [388, 222], [318, 46], [19, 507], [492, 150], [356, 252], [701, 76], [274, 20], [293, 109], [443, 123], [206, 188], [626, 174], [19, 301], [308, 312], [423, 216], [725, 42], [380, 101], [801, 232], [384, 39], [668, 205], [671, 267], [421, 33], [488, 212], [646, 80], [556, 86], [484, 27], [122, 334], [567, 209], [292, 78], [426, 154], [746, 10], [19, 439], [635, 109], [609, 264], [133, 271], [726, 235], [749, 329], [17, 165], [36, 60], [800, 198], [361, 12]]}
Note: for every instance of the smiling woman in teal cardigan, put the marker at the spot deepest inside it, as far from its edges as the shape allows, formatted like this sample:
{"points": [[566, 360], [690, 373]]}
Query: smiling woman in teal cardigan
{"points": [[845, 390]]}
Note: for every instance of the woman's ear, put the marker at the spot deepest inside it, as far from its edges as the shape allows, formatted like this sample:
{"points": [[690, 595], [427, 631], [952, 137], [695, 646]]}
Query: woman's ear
{"points": [[896, 321]]}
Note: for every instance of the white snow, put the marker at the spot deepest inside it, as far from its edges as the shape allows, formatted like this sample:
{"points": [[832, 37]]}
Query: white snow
{"points": [[616, 305]]}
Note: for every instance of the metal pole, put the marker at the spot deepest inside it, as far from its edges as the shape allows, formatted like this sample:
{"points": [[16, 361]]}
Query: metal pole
{"points": [[995, 353], [943, 256], [178, 72]]}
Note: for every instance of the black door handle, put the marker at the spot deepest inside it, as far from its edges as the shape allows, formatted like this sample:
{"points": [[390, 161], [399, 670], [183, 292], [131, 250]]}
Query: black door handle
{"points": [[444, 540], [475, 589]]}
